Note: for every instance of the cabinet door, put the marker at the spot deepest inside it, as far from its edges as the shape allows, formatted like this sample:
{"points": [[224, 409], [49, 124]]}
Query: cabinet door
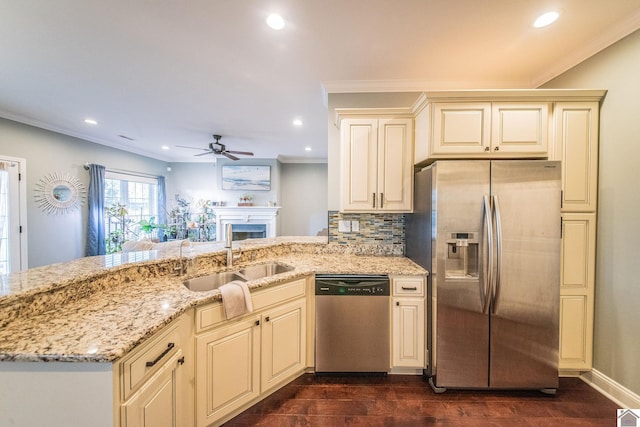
{"points": [[395, 165], [283, 343], [408, 333], [159, 403], [520, 128], [359, 165], [461, 128], [228, 367], [576, 134], [577, 290]]}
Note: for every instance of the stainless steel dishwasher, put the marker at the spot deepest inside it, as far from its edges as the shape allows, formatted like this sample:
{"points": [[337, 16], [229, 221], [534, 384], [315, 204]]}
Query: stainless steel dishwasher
{"points": [[352, 323]]}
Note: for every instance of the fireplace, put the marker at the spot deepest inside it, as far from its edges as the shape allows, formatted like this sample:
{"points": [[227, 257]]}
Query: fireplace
{"points": [[248, 221], [249, 231]]}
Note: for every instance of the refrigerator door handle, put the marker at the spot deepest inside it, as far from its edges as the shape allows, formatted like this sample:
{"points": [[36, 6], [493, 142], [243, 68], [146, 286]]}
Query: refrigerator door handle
{"points": [[485, 285], [497, 281]]}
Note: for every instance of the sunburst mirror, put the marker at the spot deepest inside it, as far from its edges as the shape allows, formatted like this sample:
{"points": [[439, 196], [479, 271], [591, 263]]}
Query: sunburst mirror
{"points": [[59, 193]]}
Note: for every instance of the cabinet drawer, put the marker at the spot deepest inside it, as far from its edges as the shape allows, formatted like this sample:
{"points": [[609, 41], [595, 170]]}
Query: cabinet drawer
{"points": [[408, 285], [148, 358], [213, 314]]}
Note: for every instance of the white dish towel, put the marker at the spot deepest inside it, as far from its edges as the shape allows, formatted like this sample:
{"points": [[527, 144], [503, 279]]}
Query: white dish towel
{"points": [[236, 299]]}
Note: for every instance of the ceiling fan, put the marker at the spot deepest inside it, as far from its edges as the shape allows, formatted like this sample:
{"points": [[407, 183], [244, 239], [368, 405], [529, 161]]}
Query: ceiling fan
{"points": [[219, 148]]}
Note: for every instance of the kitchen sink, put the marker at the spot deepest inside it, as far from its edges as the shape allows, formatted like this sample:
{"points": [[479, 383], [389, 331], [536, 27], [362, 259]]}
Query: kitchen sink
{"points": [[259, 271], [212, 281], [253, 272]]}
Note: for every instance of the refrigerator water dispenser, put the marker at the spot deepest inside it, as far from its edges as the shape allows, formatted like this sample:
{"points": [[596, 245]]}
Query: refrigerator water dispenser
{"points": [[462, 256]]}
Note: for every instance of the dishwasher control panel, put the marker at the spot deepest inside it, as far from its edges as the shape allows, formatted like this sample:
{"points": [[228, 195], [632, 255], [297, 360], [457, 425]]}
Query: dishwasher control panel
{"points": [[353, 285]]}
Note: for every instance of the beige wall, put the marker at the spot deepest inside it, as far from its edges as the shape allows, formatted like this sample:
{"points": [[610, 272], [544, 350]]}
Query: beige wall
{"points": [[617, 312]]}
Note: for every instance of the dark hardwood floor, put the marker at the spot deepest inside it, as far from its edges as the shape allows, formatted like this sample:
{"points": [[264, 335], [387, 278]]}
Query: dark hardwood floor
{"points": [[399, 400]]}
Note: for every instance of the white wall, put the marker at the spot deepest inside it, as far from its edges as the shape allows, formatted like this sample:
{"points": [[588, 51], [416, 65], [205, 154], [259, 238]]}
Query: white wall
{"points": [[617, 316], [304, 199], [58, 238]]}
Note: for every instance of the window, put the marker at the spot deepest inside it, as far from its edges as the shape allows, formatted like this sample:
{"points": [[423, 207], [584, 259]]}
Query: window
{"points": [[128, 200]]}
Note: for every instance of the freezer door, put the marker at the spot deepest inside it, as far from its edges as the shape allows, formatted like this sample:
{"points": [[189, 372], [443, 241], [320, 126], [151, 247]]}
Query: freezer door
{"points": [[461, 329], [524, 311]]}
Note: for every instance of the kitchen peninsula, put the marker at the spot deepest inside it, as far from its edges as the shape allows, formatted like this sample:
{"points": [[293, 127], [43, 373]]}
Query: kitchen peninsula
{"points": [[104, 311]]}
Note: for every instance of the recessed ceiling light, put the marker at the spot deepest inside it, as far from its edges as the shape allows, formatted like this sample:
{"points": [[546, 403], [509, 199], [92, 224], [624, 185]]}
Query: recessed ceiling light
{"points": [[275, 21], [297, 122], [307, 149], [165, 147], [546, 19], [90, 121]]}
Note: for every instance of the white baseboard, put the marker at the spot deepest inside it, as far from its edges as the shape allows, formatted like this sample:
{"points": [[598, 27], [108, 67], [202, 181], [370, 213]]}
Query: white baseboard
{"points": [[621, 395]]}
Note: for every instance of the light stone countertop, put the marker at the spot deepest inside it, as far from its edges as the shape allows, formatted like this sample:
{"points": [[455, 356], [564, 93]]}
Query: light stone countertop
{"points": [[97, 310]]}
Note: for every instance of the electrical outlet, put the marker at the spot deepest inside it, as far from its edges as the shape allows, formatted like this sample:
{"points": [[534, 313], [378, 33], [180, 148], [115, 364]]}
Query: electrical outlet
{"points": [[355, 225], [344, 226]]}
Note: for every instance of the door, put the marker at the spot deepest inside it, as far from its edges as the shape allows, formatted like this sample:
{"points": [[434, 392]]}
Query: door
{"points": [[13, 251], [395, 165], [283, 343], [524, 312], [228, 366], [359, 164], [461, 327]]}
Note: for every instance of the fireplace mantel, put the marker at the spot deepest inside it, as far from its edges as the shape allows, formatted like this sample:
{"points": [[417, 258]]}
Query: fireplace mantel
{"points": [[245, 215]]}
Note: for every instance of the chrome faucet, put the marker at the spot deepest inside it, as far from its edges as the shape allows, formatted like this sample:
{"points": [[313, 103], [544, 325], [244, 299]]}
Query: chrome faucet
{"points": [[229, 245], [182, 268]]}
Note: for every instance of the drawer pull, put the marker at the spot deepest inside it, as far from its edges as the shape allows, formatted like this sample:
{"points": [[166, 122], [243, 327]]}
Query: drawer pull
{"points": [[164, 353], [181, 361], [407, 288]]}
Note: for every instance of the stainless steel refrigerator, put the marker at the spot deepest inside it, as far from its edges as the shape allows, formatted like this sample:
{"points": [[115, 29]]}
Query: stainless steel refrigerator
{"points": [[489, 234]]}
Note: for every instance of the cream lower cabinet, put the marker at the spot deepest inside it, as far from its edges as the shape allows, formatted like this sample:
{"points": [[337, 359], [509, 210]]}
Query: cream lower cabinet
{"points": [[159, 402], [228, 367], [238, 360], [408, 322], [283, 343], [577, 290], [156, 379]]}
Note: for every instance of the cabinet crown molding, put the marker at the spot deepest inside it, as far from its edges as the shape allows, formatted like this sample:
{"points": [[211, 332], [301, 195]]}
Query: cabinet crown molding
{"points": [[549, 95], [378, 113]]}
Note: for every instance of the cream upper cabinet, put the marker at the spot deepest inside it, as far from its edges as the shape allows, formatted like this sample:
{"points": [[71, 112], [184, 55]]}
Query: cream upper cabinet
{"points": [[376, 165], [461, 128], [576, 136], [490, 129]]}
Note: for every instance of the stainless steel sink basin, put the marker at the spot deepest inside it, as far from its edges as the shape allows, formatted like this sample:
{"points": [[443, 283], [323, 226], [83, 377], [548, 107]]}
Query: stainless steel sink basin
{"points": [[259, 271], [253, 272], [212, 281]]}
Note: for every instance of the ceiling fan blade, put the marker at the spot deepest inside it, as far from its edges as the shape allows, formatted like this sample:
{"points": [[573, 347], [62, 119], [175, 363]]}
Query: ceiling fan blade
{"points": [[232, 157], [204, 154], [193, 148], [246, 153]]}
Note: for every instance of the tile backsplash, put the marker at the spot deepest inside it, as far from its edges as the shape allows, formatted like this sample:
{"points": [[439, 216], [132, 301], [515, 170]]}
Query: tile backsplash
{"points": [[374, 229]]}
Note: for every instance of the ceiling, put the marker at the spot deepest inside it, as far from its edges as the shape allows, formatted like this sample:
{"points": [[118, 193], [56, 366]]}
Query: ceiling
{"points": [[174, 72]]}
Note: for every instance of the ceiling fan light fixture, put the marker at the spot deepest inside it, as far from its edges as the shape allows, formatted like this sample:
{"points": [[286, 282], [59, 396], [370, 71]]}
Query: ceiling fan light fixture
{"points": [[546, 19], [275, 21]]}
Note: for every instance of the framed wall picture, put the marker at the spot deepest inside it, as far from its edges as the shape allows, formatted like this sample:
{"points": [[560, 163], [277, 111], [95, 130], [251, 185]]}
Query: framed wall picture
{"points": [[246, 178]]}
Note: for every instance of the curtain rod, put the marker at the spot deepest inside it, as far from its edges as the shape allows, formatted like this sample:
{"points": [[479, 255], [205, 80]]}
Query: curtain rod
{"points": [[127, 172]]}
